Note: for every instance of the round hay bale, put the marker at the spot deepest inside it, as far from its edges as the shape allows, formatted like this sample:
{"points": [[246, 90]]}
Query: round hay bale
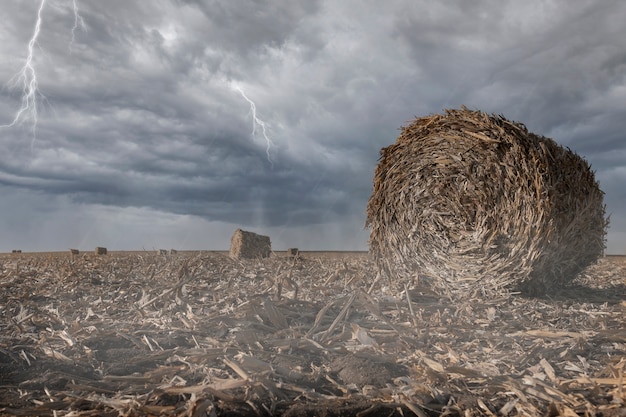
{"points": [[249, 245], [478, 204]]}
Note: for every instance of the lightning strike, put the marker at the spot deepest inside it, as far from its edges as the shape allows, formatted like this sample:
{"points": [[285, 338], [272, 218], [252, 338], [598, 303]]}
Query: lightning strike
{"points": [[256, 121], [78, 22], [27, 77]]}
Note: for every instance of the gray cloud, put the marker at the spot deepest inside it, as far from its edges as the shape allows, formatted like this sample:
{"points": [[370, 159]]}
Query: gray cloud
{"points": [[142, 114]]}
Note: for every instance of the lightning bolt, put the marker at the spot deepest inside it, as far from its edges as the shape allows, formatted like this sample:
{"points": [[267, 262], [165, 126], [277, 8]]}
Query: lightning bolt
{"points": [[78, 22], [27, 77], [256, 121]]}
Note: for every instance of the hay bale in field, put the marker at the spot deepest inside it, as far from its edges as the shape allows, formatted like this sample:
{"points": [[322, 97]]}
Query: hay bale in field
{"points": [[173, 252], [74, 251], [162, 251], [292, 252], [101, 251], [249, 245], [477, 203]]}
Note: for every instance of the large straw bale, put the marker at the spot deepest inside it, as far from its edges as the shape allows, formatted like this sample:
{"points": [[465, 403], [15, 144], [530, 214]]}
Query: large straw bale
{"points": [[249, 245], [478, 204]]}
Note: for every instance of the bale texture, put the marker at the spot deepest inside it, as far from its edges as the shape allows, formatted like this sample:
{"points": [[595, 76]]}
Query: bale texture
{"points": [[100, 250], [478, 204], [249, 245]]}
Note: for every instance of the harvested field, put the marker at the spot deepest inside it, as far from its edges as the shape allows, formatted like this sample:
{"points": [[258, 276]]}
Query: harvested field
{"points": [[195, 334]]}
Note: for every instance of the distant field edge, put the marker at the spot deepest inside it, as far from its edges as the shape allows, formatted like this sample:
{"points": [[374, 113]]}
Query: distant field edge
{"points": [[113, 251]]}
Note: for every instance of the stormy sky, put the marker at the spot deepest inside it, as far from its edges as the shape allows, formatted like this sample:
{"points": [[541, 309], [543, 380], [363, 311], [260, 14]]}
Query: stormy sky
{"points": [[143, 135]]}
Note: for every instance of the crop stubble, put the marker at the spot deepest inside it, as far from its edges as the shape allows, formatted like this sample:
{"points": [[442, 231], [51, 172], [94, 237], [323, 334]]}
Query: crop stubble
{"points": [[197, 334]]}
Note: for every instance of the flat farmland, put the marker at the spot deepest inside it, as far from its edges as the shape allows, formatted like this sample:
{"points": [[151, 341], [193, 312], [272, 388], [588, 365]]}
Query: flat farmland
{"points": [[198, 333]]}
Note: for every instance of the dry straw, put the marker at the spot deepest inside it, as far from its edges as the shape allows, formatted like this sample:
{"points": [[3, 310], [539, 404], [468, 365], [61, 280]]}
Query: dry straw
{"points": [[478, 204], [249, 245]]}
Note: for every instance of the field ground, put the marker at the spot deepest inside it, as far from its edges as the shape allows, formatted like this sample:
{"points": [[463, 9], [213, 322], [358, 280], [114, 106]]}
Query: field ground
{"points": [[200, 334]]}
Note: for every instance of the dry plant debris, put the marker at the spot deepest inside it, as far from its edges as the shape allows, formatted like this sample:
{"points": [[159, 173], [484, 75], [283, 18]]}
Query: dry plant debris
{"points": [[479, 204], [202, 334], [245, 244]]}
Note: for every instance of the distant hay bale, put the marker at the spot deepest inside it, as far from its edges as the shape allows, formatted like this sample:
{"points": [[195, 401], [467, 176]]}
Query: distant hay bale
{"points": [[249, 245], [173, 252], [478, 204], [74, 251], [16, 251], [101, 251], [292, 252], [162, 251]]}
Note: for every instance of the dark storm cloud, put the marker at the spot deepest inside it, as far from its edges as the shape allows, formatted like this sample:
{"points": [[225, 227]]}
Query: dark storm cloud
{"points": [[143, 111], [251, 26], [227, 181], [545, 66]]}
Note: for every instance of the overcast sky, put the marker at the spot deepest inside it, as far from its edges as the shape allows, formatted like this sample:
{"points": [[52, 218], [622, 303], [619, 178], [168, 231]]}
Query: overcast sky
{"points": [[146, 137]]}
